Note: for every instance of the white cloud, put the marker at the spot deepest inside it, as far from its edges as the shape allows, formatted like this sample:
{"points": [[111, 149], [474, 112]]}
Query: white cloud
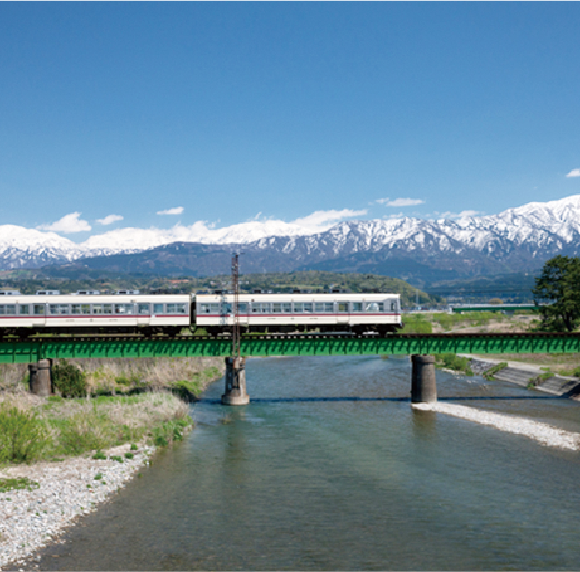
{"points": [[207, 233], [173, 211], [448, 215], [393, 216], [574, 173], [109, 219], [67, 224], [400, 202]]}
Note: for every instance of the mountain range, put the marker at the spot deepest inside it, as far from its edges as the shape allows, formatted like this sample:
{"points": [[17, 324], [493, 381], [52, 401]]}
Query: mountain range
{"points": [[515, 240]]}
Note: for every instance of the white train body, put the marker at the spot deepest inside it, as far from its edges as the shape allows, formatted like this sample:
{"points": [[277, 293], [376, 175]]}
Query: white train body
{"points": [[94, 311], [301, 311], [69, 313]]}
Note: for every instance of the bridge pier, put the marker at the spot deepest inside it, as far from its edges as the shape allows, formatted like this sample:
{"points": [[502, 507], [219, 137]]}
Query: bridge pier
{"points": [[423, 385], [41, 377], [235, 382]]}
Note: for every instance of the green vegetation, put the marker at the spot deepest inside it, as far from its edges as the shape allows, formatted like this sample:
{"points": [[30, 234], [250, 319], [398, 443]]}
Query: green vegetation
{"points": [[558, 289], [17, 483], [416, 324], [69, 379], [69, 280], [52, 429], [196, 385], [454, 362], [23, 435], [490, 373]]}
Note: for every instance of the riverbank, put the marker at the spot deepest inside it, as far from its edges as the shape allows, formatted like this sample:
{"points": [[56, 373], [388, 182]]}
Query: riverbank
{"points": [[58, 493], [79, 452], [531, 376]]}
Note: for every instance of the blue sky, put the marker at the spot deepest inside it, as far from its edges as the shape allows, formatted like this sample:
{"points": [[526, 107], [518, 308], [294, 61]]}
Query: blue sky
{"points": [[238, 111]]}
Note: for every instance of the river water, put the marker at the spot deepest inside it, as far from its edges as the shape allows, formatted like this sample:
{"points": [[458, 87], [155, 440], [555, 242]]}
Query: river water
{"points": [[329, 468]]}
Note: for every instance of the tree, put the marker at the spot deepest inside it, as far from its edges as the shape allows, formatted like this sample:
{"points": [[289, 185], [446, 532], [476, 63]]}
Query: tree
{"points": [[558, 292]]}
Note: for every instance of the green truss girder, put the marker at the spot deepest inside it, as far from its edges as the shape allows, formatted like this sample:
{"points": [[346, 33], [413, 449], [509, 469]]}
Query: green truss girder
{"points": [[19, 351]]}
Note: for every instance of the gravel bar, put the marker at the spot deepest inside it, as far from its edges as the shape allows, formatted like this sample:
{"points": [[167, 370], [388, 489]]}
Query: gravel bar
{"points": [[30, 519], [541, 432]]}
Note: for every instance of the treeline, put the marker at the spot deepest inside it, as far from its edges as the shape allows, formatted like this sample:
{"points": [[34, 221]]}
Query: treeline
{"points": [[69, 280]]}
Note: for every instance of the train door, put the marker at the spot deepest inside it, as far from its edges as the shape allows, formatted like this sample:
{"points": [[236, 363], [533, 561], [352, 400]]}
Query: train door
{"points": [[343, 312]]}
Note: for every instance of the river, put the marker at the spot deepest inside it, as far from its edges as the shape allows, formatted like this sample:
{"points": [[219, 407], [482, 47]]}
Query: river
{"points": [[329, 468]]}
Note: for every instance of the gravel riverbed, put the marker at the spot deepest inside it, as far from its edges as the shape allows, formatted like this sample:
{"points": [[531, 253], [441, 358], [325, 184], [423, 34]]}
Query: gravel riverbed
{"points": [[31, 519]]}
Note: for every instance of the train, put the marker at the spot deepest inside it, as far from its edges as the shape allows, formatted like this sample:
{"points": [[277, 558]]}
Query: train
{"points": [[149, 314]]}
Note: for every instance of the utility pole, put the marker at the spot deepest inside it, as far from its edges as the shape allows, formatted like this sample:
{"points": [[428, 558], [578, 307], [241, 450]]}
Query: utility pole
{"points": [[236, 329], [236, 365]]}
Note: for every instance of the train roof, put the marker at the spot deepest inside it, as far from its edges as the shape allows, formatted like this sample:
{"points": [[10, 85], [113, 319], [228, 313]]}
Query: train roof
{"points": [[93, 298], [209, 298]]}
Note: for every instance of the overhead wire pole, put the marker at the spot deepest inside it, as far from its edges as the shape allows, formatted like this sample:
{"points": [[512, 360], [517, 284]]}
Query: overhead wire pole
{"points": [[236, 365], [236, 329]]}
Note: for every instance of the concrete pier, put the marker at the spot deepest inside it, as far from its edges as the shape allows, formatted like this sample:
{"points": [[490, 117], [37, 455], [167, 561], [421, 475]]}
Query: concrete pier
{"points": [[423, 384], [235, 382], [41, 377]]}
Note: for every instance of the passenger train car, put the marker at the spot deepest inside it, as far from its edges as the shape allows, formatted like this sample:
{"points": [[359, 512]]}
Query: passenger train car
{"points": [[170, 314], [301, 312]]}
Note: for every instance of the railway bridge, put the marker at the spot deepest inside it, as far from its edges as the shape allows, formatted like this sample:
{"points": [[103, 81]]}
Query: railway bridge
{"points": [[40, 351]]}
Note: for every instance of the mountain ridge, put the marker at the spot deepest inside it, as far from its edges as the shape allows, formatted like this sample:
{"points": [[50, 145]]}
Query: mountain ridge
{"points": [[513, 240]]}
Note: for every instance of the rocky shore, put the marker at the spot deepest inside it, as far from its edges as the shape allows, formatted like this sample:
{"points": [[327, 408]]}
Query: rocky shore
{"points": [[59, 494]]}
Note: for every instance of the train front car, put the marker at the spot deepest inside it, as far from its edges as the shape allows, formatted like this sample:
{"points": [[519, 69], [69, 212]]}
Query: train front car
{"points": [[294, 313], [94, 313]]}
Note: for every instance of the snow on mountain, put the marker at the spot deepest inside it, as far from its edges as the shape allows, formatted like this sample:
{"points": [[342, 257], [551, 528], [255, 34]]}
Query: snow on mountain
{"points": [[533, 231]]}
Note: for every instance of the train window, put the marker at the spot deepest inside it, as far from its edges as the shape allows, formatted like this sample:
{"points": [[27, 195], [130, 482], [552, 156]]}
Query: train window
{"points": [[242, 308], [394, 306], [298, 308], [102, 308], [158, 308], [8, 309], [276, 308], [180, 308], [61, 309], [308, 307], [123, 308], [143, 308], [372, 307], [287, 307], [343, 307], [24, 309], [39, 309], [357, 307], [265, 308]]}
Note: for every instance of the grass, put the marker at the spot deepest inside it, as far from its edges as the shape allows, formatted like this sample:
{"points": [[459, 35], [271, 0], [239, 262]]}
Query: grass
{"points": [[76, 426], [454, 362], [567, 364], [18, 483]]}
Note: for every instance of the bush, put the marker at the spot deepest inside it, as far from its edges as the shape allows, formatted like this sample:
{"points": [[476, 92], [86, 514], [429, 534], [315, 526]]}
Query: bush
{"points": [[69, 380], [22, 435], [455, 363], [490, 373]]}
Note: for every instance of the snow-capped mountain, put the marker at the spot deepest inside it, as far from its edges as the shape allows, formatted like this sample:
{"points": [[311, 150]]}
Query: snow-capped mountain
{"points": [[515, 239]]}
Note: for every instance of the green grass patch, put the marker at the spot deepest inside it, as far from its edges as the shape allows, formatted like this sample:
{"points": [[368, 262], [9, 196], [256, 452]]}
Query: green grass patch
{"points": [[454, 362], [18, 483], [490, 373]]}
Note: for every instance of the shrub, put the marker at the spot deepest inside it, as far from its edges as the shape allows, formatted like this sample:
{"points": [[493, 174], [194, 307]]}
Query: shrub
{"points": [[490, 373], [69, 379], [455, 363], [22, 435]]}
